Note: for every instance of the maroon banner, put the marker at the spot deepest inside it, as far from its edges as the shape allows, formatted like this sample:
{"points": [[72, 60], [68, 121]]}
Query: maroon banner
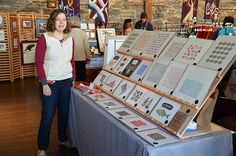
{"points": [[211, 10], [71, 7], [189, 10]]}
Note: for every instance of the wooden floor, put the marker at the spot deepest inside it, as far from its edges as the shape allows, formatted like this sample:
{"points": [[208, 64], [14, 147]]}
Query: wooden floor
{"points": [[19, 120]]}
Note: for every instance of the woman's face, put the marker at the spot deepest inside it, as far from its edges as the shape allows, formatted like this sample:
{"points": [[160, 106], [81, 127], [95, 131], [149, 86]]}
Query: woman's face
{"points": [[128, 31], [61, 22]]}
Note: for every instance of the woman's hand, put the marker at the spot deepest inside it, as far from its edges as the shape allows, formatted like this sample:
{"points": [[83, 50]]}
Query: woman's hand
{"points": [[46, 90]]}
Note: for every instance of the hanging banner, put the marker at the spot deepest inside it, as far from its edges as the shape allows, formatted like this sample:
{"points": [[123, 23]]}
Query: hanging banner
{"points": [[71, 7], [98, 11], [189, 10], [211, 10]]}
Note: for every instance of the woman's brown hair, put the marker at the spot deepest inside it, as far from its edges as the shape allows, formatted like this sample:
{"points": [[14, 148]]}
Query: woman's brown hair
{"points": [[52, 19]]}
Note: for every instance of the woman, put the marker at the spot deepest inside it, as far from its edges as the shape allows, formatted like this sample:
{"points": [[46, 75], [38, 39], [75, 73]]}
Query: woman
{"points": [[127, 28], [54, 60]]}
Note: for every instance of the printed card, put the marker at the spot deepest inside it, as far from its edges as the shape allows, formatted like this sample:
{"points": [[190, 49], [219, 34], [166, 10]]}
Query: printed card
{"points": [[101, 78], [123, 89]]}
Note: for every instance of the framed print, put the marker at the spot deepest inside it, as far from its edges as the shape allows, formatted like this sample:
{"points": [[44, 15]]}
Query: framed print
{"points": [[193, 50], [40, 26], [123, 89], [101, 78], [138, 124], [14, 26], [1, 22], [102, 33], [220, 54], [157, 137], [129, 69], [28, 52], [173, 48], [122, 113], [165, 110], [110, 104], [27, 23], [3, 47], [2, 35], [195, 84]]}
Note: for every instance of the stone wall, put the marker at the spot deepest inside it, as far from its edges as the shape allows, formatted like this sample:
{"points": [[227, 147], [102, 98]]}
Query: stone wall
{"points": [[166, 13]]}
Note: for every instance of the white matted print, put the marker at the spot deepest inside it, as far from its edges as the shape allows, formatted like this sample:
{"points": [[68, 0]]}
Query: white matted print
{"points": [[28, 52], [99, 96], [148, 102], [165, 110], [173, 48], [102, 33], [110, 104], [157, 137], [158, 43], [171, 77], [101, 78], [2, 35], [123, 89], [131, 40], [195, 84], [129, 69], [193, 50], [122, 113], [138, 124], [111, 83], [3, 47], [220, 54], [141, 70], [111, 65], [122, 64], [155, 72], [143, 41], [136, 95]]}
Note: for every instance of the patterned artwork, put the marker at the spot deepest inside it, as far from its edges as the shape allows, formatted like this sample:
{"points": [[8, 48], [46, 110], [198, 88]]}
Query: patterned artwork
{"points": [[158, 43], [136, 95], [129, 69], [171, 77], [193, 50], [165, 110], [157, 137], [110, 104], [141, 70], [138, 124], [148, 102], [101, 78], [124, 89], [211, 11], [220, 54], [143, 42], [114, 61], [155, 72], [122, 64], [111, 83], [173, 48], [99, 96], [189, 10], [122, 113], [193, 86], [178, 120], [131, 40], [71, 7]]}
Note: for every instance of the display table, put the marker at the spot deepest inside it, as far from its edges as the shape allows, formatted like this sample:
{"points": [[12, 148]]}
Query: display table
{"points": [[94, 132]]}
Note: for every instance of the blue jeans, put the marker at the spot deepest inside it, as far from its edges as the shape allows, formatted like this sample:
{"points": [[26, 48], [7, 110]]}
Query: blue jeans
{"points": [[59, 99]]}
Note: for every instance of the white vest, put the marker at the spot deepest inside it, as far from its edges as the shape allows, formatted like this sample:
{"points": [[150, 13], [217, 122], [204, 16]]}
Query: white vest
{"points": [[58, 55]]}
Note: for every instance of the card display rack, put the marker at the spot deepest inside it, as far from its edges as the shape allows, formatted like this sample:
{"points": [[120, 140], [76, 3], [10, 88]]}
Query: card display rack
{"points": [[185, 111]]}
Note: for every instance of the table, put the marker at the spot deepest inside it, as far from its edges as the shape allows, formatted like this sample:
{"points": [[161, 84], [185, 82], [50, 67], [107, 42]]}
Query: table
{"points": [[94, 132]]}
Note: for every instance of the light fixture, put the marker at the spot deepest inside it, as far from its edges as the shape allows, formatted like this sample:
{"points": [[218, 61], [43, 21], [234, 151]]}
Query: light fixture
{"points": [[51, 4]]}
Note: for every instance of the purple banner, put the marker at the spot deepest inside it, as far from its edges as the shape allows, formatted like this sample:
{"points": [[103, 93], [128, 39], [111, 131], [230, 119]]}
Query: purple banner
{"points": [[71, 7], [189, 10], [211, 10], [99, 11]]}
